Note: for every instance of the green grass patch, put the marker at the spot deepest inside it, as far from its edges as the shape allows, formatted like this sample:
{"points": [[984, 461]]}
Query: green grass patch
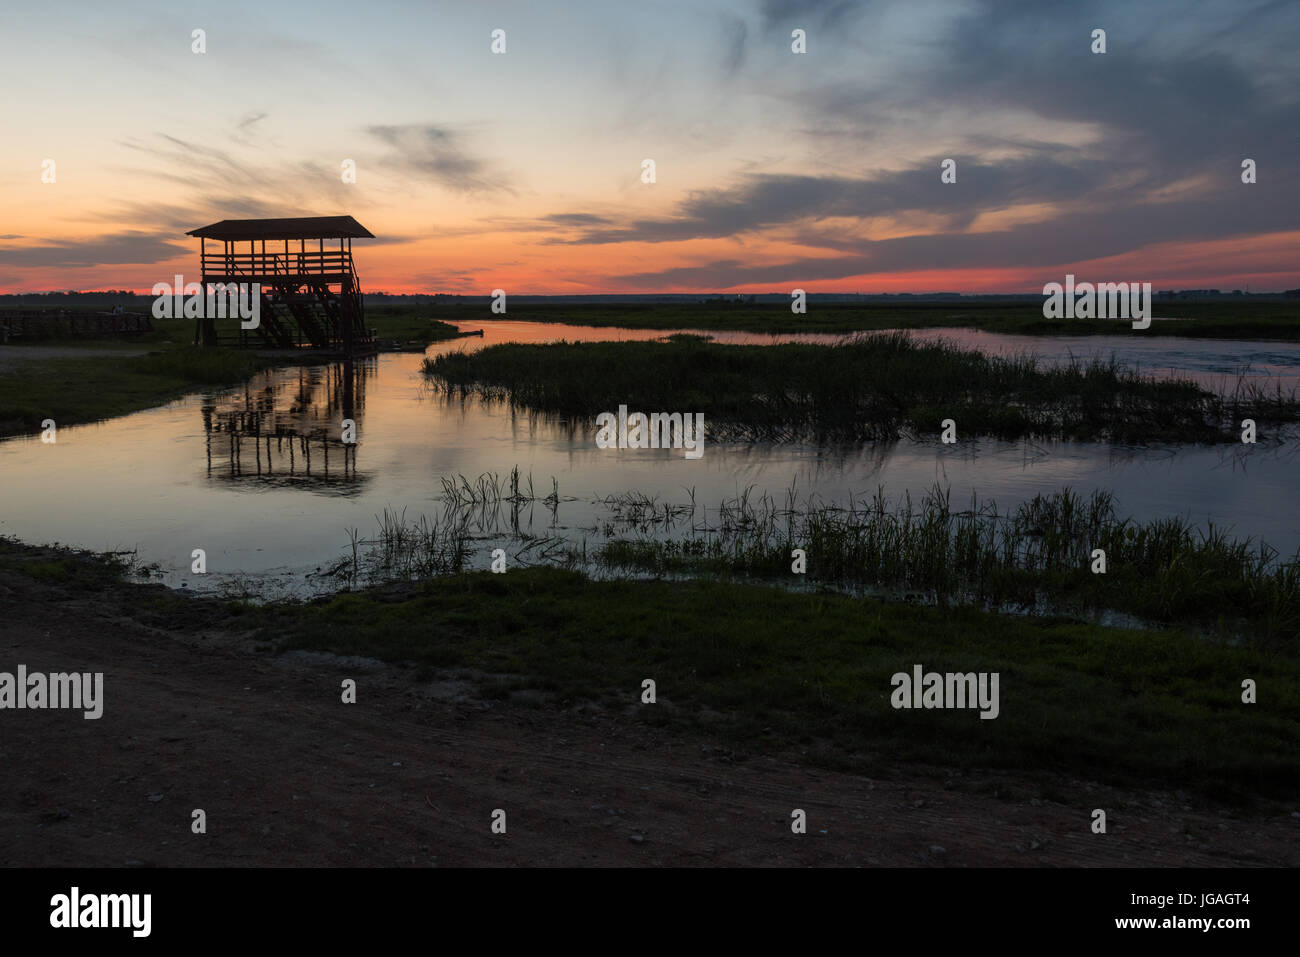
{"points": [[89, 389], [412, 328], [812, 671], [774, 671]]}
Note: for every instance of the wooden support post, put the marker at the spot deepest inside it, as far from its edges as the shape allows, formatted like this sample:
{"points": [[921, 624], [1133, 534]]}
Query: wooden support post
{"points": [[203, 268]]}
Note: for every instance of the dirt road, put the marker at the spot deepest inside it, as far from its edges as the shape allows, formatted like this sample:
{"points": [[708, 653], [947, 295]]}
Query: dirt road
{"points": [[412, 773]]}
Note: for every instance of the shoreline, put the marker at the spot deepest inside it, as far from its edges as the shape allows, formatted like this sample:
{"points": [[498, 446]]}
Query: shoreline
{"points": [[203, 708], [72, 382], [67, 381]]}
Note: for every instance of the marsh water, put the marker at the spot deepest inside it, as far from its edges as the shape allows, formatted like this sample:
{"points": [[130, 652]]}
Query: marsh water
{"points": [[258, 478]]}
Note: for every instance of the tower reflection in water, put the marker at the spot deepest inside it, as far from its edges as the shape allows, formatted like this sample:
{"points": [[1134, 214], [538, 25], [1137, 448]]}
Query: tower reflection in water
{"points": [[286, 428]]}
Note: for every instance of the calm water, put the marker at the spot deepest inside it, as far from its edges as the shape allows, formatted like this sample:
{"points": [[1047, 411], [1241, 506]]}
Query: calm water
{"points": [[271, 511]]}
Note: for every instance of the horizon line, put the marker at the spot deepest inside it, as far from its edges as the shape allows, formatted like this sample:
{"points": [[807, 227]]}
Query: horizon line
{"points": [[780, 296]]}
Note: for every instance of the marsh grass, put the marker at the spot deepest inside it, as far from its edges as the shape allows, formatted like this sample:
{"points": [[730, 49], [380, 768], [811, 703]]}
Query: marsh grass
{"points": [[414, 549], [490, 489], [1037, 556], [870, 387], [404, 549]]}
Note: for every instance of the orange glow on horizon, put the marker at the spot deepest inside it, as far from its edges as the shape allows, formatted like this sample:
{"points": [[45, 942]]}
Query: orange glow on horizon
{"points": [[474, 265]]}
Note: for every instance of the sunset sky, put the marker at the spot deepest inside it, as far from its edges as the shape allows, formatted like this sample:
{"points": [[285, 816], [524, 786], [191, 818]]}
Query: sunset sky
{"points": [[522, 170]]}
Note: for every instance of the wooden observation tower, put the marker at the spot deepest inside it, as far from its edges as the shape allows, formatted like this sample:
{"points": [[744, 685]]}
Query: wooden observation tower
{"points": [[310, 295]]}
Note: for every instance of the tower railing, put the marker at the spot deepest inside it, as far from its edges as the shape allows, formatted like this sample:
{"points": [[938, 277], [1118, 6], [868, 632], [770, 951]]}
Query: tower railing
{"points": [[278, 264], [299, 307]]}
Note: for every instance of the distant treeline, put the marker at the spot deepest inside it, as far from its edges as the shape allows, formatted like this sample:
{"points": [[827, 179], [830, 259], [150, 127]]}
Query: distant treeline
{"points": [[112, 297], [105, 298]]}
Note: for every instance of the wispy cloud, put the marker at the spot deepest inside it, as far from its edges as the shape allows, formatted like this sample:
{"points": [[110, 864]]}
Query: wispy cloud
{"points": [[438, 154]]}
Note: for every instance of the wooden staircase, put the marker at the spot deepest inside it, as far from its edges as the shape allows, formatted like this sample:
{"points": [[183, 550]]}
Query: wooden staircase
{"points": [[314, 316]]}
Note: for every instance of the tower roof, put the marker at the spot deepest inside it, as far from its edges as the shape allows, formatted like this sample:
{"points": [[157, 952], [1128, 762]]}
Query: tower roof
{"points": [[301, 227]]}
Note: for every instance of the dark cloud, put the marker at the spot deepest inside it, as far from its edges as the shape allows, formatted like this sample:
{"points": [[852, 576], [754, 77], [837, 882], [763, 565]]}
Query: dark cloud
{"points": [[577, 219], [130, 247], [1162, 109], [733, 56], [436, 153], [458, 280], [1083, 236], [762, 201], [785, 15], [1171, 110], [1170, 102]]}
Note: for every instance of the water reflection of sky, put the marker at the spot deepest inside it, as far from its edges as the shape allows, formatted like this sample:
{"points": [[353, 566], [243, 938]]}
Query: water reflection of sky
{"points": [[167, 481]]}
